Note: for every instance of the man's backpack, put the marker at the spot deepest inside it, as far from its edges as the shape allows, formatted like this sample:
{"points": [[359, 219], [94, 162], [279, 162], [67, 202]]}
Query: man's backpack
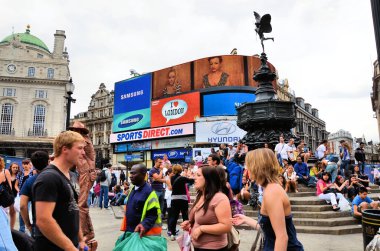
{"points": [[235, 172], [113, 180], [103, 175]]}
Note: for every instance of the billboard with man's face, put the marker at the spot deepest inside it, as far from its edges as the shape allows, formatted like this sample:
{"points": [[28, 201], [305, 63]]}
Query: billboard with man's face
{"points": [[215, 71]]}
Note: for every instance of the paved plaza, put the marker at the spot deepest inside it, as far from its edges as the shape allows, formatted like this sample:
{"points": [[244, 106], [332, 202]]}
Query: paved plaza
{"points": [[107, 231]]}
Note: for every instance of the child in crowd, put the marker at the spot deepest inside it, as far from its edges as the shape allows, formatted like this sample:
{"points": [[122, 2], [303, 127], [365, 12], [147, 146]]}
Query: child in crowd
{"points": [[341, 185], [362, 202], [291, 179], [353, 187]]}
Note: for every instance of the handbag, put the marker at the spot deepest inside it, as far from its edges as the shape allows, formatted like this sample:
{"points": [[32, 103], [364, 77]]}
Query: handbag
{"points": [[233, 239], [184, 241], [132, 242], [258, 244], [374, 245], [6, 195]]}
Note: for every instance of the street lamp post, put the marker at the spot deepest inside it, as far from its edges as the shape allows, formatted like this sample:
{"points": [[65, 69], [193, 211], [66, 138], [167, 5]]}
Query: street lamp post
{"points": [[69, 91]]}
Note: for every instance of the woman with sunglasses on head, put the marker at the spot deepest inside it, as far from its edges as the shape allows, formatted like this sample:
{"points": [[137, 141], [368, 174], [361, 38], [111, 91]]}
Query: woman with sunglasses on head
{"points": [[276, 217]]}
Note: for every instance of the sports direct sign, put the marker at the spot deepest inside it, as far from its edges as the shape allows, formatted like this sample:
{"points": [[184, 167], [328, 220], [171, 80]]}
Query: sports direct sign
{"points": [[161, 132], [175, 110]]}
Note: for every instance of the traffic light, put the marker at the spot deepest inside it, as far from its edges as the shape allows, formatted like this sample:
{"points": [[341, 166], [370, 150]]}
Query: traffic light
{"points": [[141, 155]]}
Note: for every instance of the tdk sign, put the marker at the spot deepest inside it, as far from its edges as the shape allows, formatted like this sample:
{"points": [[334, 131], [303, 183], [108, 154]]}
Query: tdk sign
{"points": [[223, 128], [130, 121]]}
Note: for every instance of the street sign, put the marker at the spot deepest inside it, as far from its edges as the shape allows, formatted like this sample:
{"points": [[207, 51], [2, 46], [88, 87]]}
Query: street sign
{"points": [[128, 157]]}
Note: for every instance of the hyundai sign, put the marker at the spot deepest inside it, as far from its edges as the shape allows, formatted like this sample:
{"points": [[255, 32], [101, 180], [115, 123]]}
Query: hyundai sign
{"points": [[221, 104], [132, 104], [218, 132]]}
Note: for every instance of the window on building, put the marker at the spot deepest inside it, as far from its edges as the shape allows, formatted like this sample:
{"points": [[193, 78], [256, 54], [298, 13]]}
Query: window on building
{"points": [[101, 113], [6, 118], [9, 92], [101, 127], [31, 71], [41, 94], [39, 55], [39, 120], [110, 111], [50, 73]]}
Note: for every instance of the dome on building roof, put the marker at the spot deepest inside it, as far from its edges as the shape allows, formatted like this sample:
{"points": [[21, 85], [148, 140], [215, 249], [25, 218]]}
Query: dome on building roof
{"points": [[26, 38]]}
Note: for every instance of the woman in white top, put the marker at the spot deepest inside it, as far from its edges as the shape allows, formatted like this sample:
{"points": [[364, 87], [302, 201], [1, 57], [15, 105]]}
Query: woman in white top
{"points": [[291, 179]]}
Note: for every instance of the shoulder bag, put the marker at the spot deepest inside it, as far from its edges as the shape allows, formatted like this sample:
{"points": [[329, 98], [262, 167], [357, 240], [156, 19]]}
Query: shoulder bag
{"points": [[233, 239], [6, 195], [258, 244]]}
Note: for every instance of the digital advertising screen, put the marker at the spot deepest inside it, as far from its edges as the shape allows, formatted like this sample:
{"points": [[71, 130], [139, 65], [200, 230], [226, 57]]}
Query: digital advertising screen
{"points": [[179, 109], [214, 71], [220, 104], [132, 103]]}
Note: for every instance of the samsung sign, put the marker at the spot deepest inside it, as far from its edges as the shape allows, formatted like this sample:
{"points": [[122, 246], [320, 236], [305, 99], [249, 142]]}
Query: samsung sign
{"points": [[132, 104], [218, 132]]}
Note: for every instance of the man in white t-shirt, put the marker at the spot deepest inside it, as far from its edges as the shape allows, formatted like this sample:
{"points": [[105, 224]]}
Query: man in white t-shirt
{"points": [[231, 151], [322, 150], [281, 149], [290, 148], [199, 159]]}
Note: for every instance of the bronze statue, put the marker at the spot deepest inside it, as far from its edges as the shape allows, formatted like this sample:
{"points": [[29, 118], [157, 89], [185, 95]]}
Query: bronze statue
{"points": [[87, 176], [263, 26]]}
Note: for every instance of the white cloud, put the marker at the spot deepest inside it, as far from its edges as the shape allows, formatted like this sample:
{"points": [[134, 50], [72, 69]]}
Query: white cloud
{"points": [[325, 48]]}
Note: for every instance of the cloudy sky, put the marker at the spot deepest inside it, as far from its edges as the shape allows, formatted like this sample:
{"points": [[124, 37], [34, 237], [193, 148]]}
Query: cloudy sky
{"points": [[325, 48]]}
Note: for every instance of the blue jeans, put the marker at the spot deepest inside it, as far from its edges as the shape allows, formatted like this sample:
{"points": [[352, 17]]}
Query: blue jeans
{"points": [[362, 167], [161, 198], [333, 169], [343, 166], [21, 220], [103, 193], [89, 199], [6, 241]]}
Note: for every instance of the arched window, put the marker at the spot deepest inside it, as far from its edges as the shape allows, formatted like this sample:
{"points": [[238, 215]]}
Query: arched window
{"points": [[6, 118], [39, 120]]}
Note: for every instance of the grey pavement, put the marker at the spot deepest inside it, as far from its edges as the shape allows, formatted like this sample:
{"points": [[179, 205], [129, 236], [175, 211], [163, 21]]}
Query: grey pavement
{"points": [[107, 231]]}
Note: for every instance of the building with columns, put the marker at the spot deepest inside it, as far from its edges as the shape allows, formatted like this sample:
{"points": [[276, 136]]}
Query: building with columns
{"points": [[33, 85], [98, 119], [375, 94], [335, 138], [309, 127]]}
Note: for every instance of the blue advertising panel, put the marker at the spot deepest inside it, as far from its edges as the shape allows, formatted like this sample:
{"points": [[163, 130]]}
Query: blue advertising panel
{"points": [[219, 104], [172, 154], [139, 146], [120, 148], [132, 103]]}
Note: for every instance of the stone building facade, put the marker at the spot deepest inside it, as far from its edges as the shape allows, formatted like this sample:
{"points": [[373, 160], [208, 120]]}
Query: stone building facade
{"points": [[309, 127], [375, 94], [336, 137], [98, 119], [33, 85]]}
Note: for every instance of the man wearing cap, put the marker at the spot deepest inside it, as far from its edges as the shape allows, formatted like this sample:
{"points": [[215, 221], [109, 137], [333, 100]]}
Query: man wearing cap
{"points": [[40, 161], [87, 176], [231, 151]]}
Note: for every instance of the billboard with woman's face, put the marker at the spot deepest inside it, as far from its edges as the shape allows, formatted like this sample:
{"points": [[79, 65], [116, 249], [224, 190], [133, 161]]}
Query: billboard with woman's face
{"points": [[226, 70], [172, 80]]}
